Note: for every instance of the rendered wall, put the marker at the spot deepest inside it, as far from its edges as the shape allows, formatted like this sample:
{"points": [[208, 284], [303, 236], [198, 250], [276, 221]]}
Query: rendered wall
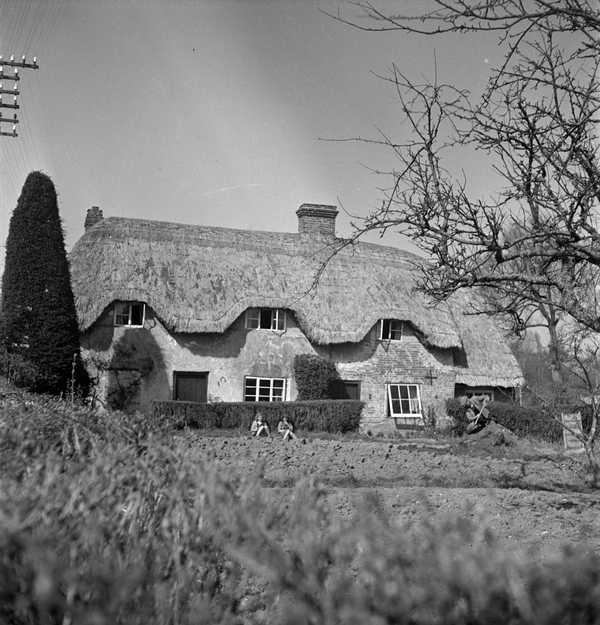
{"points": [[145, 358]]}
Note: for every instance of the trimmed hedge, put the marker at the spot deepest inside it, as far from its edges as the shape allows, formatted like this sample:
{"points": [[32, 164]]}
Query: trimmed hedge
{"points": [[312, 416], [522, 421]]}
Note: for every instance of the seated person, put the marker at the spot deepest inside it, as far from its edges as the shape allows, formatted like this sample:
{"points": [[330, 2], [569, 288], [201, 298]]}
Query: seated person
{"points": [[259, 426], [286, 429], [477, 412], [470, 410]]}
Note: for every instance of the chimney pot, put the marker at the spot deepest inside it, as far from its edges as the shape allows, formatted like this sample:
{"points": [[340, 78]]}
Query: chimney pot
{"points": [[93, 216], [317, 220]]}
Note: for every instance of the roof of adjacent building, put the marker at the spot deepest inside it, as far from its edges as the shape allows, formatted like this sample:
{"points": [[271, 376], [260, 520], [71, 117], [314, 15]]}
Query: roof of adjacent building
{"points": [[200, 279]]}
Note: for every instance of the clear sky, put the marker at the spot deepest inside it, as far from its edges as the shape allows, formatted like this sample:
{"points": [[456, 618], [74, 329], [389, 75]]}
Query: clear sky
{"points": [[210, 111]]}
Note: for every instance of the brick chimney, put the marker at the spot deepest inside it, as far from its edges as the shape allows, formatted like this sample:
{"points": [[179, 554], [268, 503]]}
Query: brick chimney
{"points": [[317, 220], [94, 215]]}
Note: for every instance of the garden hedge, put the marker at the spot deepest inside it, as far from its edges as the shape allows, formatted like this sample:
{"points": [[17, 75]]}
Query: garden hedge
{"points": [[532, 422], [312, 416]]}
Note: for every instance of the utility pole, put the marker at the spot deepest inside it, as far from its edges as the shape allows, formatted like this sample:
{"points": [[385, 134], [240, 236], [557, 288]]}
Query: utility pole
{"points": [[13, 78]]}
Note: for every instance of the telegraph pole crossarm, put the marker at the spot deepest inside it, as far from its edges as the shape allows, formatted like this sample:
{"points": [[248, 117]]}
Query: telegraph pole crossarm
{"points": [[22, 63], [4, 76], [4, 105], [3, 133], [14, 91], [13, 78]]}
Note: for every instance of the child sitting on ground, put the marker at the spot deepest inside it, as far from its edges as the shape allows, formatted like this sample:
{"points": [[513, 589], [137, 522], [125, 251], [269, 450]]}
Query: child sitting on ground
{"points": [[286, 429], [259, 426]]}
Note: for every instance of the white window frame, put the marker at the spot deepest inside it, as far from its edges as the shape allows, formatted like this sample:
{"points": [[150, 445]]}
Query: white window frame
{"points": [[415, 418], [255, 314], [129, 306], [399, 327], [271, 381]]}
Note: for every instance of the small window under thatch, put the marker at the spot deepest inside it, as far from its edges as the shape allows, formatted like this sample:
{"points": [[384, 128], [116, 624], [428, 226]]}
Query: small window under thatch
{"points": [[130, 314], [265, 319], [264, 389], [390, 330]]}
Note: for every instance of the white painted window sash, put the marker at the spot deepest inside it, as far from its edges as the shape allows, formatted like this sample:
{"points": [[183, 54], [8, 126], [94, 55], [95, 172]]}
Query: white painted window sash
{"points": [[281, 392], [274, 318], [252, 318], [277, 319], [411, 401], [395, 326], [119, 312]]}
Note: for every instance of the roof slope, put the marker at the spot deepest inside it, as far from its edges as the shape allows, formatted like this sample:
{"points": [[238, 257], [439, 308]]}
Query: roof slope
{"points": [[200, 279], [489, 357]]}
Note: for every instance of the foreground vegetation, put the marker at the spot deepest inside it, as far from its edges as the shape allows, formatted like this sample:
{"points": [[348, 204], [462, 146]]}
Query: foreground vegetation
{"points": [[103, 519]]}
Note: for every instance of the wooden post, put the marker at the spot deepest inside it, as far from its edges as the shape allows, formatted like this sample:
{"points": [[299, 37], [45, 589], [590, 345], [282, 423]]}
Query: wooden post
{"points": [[572, 432]]}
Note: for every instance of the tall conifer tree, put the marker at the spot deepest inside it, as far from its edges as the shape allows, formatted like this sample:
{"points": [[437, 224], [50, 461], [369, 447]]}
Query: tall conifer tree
{"points": [[38, 309]]}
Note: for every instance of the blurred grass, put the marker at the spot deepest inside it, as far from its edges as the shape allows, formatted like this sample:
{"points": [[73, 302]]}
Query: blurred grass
{"points": [[103, 520]]}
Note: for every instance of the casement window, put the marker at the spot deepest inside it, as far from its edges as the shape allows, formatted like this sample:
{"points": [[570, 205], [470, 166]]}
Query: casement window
{"points": [[130, 314], [265, 318], [404, 401], [264, 389], [390, 330]]}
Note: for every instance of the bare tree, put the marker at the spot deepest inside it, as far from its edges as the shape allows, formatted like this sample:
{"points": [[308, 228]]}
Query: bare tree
{"points": [[532, 245], [529, 243]]}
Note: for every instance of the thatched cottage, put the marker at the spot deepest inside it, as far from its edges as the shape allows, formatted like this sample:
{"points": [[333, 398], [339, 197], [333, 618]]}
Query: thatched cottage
{"points": [[172, 311]]}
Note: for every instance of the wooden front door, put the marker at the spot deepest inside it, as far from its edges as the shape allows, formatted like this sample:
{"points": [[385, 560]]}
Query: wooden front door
{"points": [[190, 386]]}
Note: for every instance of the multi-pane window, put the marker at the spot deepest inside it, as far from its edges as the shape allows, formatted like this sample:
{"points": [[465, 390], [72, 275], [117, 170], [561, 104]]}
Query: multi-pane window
{"points": [[404, 400], [390, 330], [265, 318], [130, 314], [264, 389]]}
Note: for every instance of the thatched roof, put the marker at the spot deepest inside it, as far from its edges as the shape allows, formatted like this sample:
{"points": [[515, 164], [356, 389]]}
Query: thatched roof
{"points": [[489, 357], [200, 279]]}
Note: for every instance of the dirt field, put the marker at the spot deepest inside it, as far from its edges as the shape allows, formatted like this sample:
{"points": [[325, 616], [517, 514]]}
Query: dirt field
{"points": [[530, 496]]}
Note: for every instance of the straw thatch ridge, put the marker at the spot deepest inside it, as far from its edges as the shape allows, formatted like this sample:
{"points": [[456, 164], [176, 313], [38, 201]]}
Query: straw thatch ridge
{"points": [[200, 279]]}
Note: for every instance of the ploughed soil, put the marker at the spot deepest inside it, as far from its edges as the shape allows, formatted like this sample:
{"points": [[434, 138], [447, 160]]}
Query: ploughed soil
{"points": [[529, 494]]}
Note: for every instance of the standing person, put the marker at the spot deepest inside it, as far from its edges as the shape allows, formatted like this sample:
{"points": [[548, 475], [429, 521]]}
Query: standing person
{"points": [[259, 426], [286, 429]]}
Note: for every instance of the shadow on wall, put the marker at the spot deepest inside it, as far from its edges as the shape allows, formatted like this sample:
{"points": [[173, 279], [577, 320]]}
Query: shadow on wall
{"points": [[365, 349], [349, 352], [136, 372], [226, 345]]}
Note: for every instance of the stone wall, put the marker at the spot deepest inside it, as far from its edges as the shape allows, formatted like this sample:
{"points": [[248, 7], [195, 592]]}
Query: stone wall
{"points": [[144, 359]]}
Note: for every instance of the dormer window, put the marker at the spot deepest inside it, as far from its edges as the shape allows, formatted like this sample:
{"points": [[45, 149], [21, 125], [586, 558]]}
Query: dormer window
{"points": [[130, 314], [390, 330], [265, 319]]}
